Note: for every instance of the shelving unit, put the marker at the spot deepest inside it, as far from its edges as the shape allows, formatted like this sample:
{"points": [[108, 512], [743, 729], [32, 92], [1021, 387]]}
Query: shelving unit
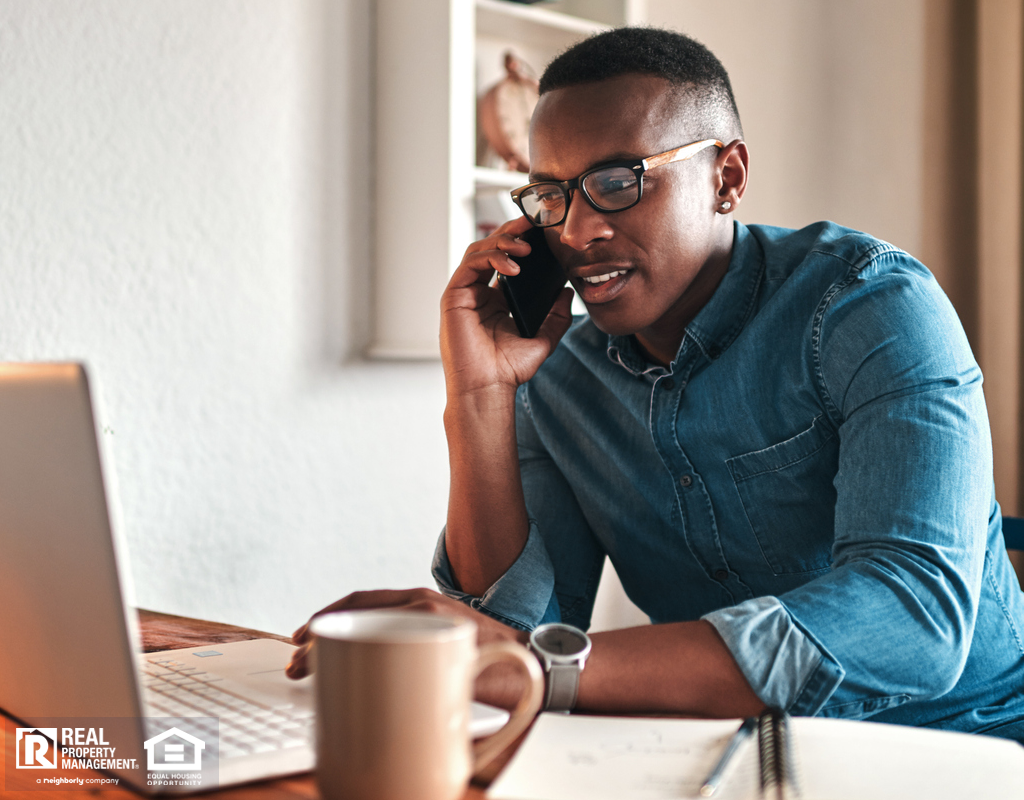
{"points": [[434, 57], [490, 178], [531, 23]]}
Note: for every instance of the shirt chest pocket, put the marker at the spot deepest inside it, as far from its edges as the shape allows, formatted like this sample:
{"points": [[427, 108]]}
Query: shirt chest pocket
{"points": [[789, 498]]}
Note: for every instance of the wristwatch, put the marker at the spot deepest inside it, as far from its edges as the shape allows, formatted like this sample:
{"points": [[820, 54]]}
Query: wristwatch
{"points": [[562, 650]]}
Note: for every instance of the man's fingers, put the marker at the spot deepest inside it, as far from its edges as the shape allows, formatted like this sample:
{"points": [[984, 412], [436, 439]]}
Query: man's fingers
{"points": [[505, 237], [423, 600], [558, 319], [298, 666], [484, 300], [479, 268], [493, 254], [380, 598], [510, 243]]}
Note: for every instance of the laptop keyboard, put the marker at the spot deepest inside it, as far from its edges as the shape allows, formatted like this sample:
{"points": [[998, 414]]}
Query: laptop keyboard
{"points": [[247, 725]]}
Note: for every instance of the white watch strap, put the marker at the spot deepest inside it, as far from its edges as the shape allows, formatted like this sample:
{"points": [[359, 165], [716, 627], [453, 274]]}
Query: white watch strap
{"points": [[563, 684]]}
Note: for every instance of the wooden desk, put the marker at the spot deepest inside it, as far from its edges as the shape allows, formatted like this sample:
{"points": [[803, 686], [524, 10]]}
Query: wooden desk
{"points": [[166, 632]]}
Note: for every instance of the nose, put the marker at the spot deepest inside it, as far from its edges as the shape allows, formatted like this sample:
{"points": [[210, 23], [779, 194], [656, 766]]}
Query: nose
{"points": [[583, 224]]}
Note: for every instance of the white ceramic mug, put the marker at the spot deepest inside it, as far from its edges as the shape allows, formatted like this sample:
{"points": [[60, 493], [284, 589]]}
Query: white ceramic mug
{"points": [[393, 694]]}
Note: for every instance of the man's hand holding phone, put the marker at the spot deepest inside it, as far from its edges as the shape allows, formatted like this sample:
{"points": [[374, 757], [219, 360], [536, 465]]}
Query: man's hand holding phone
{"points": [[485, 360], [481, 347]]}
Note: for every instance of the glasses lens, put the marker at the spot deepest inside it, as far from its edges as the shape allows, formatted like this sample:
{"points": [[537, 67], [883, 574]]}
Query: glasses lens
{"points": [[544, 203], [612, 188]]}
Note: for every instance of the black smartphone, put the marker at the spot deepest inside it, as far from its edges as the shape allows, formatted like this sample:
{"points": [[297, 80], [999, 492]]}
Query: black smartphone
{"points": [[531, 294]]}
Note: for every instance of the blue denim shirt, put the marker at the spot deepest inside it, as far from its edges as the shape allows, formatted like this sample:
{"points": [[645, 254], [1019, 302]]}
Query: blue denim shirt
{"points": [[812, 475]]}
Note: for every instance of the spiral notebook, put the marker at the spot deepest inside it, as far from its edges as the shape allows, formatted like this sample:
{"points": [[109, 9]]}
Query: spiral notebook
{"points": [[577, 757]]}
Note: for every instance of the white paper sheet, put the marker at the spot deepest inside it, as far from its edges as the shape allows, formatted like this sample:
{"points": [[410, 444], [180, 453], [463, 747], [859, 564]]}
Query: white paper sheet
{"points": [[612, 758]]}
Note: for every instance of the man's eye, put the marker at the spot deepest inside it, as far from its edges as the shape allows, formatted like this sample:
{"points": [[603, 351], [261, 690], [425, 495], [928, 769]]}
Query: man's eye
{"points": [[614, 181], [549, 196], [618, 184]]}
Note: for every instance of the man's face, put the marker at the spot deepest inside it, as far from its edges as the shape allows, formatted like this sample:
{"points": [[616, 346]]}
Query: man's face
{"points": [[654, 250]]}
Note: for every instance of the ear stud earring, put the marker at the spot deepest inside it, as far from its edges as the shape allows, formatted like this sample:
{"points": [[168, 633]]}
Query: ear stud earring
{"points": [[725, 206]]}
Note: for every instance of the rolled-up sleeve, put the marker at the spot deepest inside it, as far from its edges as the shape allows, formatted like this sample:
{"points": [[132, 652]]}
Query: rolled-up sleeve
{"points": [[913, 507], [556, 575], [523, 597], [784, 665]]}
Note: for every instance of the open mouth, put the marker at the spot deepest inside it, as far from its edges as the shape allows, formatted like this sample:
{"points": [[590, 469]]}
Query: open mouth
{"points": [[604, 278], [602, 287]]}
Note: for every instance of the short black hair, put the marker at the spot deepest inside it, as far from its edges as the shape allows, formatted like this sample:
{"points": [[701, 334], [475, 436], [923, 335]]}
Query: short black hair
{"points": [[679, 59]]}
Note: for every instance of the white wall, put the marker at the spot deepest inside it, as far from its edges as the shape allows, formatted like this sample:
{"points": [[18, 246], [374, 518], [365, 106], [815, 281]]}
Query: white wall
{"points": [[183, 205]]}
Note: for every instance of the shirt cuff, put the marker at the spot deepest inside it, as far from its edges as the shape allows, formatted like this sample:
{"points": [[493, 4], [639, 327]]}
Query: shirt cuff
{"points": [[784, 666], [523, 597]]}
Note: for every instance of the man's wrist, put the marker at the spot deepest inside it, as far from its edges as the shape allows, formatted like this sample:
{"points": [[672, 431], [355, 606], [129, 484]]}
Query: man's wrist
{"points": [[496, 397], [490, 411]]}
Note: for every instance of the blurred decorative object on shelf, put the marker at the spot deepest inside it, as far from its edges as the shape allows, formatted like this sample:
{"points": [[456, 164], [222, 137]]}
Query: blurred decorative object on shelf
{"points": [[505, 111]]}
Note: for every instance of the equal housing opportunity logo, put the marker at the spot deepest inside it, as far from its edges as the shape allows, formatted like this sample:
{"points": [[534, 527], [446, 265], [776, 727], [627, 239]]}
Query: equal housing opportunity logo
{"points": [[167, 751], [174, 757]]}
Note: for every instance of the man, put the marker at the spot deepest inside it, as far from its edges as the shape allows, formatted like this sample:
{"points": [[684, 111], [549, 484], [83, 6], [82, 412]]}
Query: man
{"points": [[778, 437]]}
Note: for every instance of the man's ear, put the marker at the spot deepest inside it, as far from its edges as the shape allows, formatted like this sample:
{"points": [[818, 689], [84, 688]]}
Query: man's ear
{"points": [[731, 176]]}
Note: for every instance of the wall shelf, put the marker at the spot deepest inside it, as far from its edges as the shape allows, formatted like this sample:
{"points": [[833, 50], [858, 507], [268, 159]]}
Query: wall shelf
{"points": [[536, 24], [490, 178], [433, 58]]}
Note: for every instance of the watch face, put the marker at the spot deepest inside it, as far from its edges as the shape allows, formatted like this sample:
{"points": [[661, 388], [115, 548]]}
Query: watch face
{"points": [[561, 641]]}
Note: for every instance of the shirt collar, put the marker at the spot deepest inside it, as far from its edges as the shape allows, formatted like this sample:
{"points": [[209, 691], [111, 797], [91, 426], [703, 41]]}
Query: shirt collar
{"points": [[723, 316]]}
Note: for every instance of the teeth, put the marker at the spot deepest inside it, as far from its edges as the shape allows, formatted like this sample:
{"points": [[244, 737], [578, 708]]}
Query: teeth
{"points": [[606, 277]]}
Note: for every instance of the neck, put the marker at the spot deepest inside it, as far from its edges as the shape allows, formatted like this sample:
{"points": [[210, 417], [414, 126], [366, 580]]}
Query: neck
{"points": [[660, 342]]}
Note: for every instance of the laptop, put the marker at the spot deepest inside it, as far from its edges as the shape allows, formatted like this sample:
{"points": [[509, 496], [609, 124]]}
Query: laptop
{"points": [[71, 663]]}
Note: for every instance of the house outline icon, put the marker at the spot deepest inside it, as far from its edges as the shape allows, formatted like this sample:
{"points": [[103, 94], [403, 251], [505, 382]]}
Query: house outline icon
{"points": [[22, 737], [198, 745]]}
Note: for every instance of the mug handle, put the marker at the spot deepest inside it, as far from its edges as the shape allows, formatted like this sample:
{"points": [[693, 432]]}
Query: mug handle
{"points": [[485, 750]]}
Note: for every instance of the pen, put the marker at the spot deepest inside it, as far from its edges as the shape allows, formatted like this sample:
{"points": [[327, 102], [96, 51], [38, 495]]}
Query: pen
{"points": [[714, 780]]}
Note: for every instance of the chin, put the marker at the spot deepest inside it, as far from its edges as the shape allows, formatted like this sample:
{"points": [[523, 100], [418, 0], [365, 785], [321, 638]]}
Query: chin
{"points": [[613, 324]]}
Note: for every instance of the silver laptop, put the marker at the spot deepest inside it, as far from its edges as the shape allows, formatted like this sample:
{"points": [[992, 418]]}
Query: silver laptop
{"points": [[70, 662]]}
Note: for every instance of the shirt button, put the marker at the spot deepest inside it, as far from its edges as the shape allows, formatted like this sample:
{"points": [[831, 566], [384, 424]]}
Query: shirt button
{"points": [[721, 575], [685, 481], [669, 384], [714, 352]]}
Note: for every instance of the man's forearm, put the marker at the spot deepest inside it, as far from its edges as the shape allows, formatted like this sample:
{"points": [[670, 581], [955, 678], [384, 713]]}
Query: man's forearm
{"points": [[678, 668], [487, 520]]}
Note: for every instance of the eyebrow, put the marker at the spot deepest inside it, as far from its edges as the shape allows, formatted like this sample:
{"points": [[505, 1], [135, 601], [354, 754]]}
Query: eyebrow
{"points": [[619, 156]]}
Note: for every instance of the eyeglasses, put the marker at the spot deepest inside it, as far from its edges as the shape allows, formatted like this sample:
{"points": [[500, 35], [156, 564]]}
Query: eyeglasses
{"points": [[608, 188]]}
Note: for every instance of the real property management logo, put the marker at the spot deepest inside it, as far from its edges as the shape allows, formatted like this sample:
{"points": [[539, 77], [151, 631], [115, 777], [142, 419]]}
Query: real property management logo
{"points": [[80, 748], [36, 748]]}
